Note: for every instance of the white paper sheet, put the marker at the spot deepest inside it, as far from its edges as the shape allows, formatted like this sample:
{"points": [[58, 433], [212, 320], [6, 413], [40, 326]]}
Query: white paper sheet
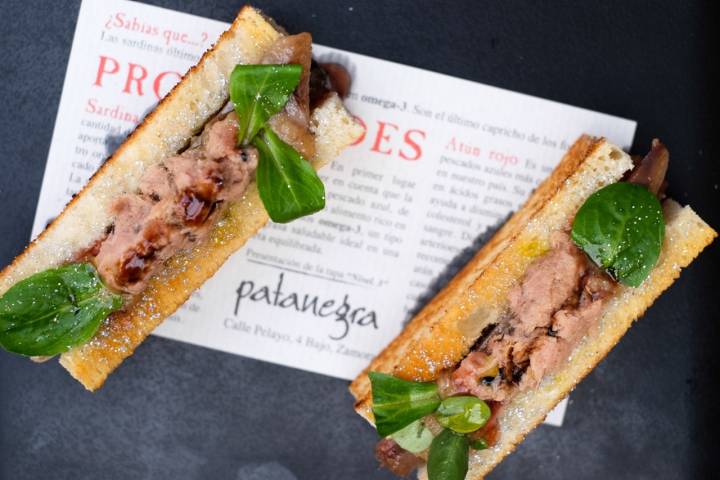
{"points": [[442, 160]]}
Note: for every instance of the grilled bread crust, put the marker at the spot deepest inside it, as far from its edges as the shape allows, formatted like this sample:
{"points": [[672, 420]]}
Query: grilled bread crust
{"points": [[180, 115], [441, 335]]}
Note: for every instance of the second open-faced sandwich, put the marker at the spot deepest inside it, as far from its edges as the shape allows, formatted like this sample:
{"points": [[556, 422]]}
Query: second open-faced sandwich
{"points": [[531, 314], [235, 142]]}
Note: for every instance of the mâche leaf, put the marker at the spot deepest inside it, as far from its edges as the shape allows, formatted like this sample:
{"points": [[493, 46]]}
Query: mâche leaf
{"points": [[54, 310], [258, 92], [397, 403], [414, 438], [478, 444], [621, 227], [463, 414], [448, 457], [288, 185]]}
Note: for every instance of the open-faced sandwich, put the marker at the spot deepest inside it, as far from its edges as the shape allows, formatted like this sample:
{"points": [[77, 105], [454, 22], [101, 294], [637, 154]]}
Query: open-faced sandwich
{"points": [[531, 314], [235, 142]]}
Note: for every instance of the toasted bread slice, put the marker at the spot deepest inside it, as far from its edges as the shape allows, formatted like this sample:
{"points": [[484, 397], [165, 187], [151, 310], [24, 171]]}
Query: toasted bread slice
{"points": [[441, 335], [179, 116]]}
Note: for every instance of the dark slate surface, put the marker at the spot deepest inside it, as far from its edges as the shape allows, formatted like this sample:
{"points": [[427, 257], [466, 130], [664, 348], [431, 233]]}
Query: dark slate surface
{"points": [[178, 411]]}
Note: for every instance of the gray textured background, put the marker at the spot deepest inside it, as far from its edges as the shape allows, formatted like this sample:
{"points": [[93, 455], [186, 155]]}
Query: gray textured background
{"points": [[173, 411]]}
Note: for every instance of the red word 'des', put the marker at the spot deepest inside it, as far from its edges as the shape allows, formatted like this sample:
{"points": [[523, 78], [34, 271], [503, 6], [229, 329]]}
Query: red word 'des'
{"points": [[132, 78], [388, 138]]}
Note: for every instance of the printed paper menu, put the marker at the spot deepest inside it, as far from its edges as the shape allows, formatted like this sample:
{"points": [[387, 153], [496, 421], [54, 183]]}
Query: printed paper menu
{"points": [[441, 161]]}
